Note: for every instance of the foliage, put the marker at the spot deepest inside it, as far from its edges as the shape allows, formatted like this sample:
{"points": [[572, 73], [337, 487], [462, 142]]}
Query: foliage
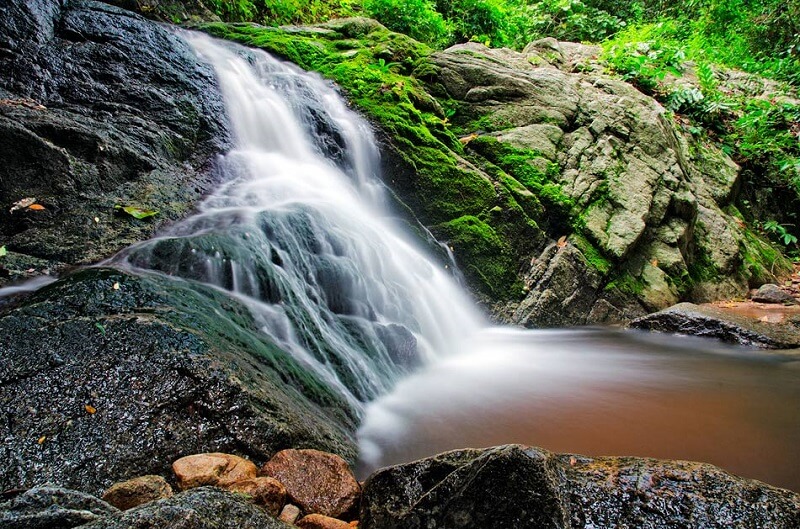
{"points": [[136, 212], [772, 226], [415, 18]]}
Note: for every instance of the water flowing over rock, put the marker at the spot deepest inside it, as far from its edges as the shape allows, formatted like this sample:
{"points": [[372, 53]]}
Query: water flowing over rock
{"points": [[98, 107], [525, 487]]}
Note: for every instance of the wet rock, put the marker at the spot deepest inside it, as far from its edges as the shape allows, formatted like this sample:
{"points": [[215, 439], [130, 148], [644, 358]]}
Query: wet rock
{"points": [[200, 508], [50, 508], [269, 493], [164, 375], [98, 107], [318, 521], [526, 487], [316, 481], [701, 320], [290, 513], [128, 494], [222, 470], [771, 293]]}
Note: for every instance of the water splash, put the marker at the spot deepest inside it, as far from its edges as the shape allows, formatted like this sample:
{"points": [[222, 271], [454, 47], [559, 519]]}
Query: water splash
{"points": [[298, 233]]}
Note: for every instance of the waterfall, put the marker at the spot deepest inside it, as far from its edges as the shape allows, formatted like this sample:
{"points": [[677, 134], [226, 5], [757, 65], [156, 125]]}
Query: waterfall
{"points": [[299, 232]]}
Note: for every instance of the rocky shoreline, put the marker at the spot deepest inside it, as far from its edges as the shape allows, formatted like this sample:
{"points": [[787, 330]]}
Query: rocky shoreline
{"points": [[500, 487]]}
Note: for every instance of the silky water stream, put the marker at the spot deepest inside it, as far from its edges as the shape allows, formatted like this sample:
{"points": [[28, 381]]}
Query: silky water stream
{"points": [[300, 232]]}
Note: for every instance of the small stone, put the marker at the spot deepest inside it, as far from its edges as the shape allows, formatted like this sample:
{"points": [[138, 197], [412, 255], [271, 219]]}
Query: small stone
{"points": [[128, 494], [319, 521], [770, 293], [266, 492], [222, 470], [316, 481], [290, 513]]}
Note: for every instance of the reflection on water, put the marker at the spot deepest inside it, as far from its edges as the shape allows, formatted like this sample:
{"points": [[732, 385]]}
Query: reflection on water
{"points": [[598, 392]]}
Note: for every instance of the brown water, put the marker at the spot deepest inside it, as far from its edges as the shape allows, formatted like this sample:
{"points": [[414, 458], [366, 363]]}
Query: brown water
{"points": [[599, 392]]}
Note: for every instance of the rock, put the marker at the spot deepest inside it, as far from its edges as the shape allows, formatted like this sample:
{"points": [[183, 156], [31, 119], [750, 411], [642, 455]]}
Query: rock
{"points": [[770, 293], [701, 320], [222, 470], [128, 494], [290, 513], [164, 374], [316, 481], [200, 508], [50, 508], [318, 521], [98, 107], [266, 492], [526, 487]]}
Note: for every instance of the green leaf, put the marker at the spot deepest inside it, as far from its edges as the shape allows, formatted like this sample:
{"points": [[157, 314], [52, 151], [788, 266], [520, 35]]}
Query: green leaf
{"points": [[136, 212], [3, 251], [101, 327]]}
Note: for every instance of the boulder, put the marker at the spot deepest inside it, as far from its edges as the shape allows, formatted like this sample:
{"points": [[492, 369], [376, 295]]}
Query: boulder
{"points": [[49, 507], [703, 320], [120, 375], [98, 107], [128, 494], [525, 487], [316, 481], [222, 470], [318, 521], [200, 508], [771, 293], [268, 493]]}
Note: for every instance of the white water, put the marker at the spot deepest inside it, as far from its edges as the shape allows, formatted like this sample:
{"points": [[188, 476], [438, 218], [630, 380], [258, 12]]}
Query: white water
{"points": [[298, 232]]}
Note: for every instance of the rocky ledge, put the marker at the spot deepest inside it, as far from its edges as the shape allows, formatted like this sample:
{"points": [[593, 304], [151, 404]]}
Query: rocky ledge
{"points": [[502, 487]]}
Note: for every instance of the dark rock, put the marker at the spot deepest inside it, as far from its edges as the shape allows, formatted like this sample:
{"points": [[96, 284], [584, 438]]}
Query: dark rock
{"points": [[770, 293], [128, 494], [201, 508], [98, 107], [51, 508], [316, 481], [170, 368], [526, 487], [700, 320]]}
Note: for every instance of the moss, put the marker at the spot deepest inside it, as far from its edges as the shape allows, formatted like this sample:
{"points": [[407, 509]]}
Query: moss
{"points": [[761, 262], [491, 259], [627, 284], [591, 253]]}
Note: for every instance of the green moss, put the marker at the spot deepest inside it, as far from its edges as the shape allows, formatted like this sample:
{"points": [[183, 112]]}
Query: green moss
{"points": [[491, 259], [761, 262], [627, 284], [591, 253]]}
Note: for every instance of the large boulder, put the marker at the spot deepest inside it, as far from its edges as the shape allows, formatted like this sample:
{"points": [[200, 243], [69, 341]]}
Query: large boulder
{"points": [[724, 325], [106, 376], [98, 108], [50, 507], [526, 487], [133, 492]]}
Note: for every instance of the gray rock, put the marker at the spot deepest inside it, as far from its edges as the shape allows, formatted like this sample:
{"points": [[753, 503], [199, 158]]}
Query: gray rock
{"points": [[165, 375], [201, 508], [525, 487], [98, 107], [49, 507], [697, 320], [771, 293]]}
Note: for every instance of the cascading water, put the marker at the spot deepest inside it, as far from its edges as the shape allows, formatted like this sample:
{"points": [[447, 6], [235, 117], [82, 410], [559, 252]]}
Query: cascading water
{"points": [[297, 233]]}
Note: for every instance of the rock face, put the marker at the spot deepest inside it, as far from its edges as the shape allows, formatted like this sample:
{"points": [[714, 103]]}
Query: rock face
{"points": [[317, 482], [695, 320], [267, 492], [221, 470], [202, 508], [128, 494], [51, 508], [98, 107], [525, 487], [99, 384]]}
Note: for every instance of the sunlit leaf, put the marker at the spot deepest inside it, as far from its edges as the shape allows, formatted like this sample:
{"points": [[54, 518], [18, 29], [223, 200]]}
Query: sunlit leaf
{"points": [[36, 207], [91, 410], [101, 327], [3, 251], [136, 212], [562, 241], [42, 439]]}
